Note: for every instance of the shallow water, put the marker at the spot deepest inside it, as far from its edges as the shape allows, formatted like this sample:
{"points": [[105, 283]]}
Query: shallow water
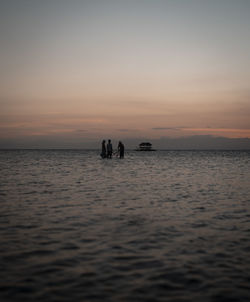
{"points": [[155, 226]]}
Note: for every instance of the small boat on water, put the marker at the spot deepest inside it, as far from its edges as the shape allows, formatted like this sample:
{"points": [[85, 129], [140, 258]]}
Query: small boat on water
{"points": [[145, 147]]}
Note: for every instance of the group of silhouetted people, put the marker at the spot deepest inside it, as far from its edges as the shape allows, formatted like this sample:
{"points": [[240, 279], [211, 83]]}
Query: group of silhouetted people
{"points": [[107, 151]]}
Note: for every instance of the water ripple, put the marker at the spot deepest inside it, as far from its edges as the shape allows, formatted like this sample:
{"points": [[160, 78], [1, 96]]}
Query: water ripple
{"points": [[165, 226]]}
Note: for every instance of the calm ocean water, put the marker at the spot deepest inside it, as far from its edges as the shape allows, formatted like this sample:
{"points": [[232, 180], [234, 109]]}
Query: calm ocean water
{"points": [[155, 226]]}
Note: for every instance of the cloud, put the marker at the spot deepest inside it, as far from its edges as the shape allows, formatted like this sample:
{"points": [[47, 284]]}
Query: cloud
{"points": [[80, 130], [125, 130], [209, 129], [167, 128], [224, 132]]}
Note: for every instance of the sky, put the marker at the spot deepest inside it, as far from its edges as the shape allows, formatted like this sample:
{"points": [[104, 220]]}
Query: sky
{"points": [[82, 70]]}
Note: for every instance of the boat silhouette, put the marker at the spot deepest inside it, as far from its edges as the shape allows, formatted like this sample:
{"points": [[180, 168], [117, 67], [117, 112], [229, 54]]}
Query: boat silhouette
{"points": [[145, 146]]}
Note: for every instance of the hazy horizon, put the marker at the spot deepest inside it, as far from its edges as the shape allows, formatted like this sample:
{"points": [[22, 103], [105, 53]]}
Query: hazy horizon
{"points": [[202, 142]]}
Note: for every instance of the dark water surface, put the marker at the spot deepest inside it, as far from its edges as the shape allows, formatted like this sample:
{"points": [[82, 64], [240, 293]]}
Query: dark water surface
{"points": [[156, 226]]}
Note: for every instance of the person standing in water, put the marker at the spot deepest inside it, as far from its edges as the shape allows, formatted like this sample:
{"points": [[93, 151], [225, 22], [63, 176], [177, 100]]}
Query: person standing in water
{"points": [[103, 154], [121, 149], [109, 149]]}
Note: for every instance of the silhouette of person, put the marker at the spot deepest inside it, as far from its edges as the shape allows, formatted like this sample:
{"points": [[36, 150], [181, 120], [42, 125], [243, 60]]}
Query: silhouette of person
{"points": [[109, 149], [121, 149], [103, 154]]}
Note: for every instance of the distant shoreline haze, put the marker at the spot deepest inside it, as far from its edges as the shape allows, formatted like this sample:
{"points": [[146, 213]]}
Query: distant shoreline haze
{"points": [[202, 142]]}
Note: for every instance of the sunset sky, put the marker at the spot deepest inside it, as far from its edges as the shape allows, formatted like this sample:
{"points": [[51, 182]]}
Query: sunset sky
{"points": [[86, 70]]}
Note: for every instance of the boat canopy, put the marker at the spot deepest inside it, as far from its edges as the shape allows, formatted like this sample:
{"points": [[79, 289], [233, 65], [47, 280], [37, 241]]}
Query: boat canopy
{"points": [[145, 144]]}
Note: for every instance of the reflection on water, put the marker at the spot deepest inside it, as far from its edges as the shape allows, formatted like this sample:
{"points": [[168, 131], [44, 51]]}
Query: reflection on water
{"points": [[162, 226]]}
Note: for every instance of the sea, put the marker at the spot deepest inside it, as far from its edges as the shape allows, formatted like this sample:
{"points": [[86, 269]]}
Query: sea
{"points": [[154, 226]]}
